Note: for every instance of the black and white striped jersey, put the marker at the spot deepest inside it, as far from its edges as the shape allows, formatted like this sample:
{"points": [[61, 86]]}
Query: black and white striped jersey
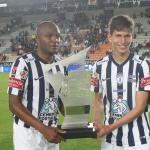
{"points": [[118, 84], [27, 81]]}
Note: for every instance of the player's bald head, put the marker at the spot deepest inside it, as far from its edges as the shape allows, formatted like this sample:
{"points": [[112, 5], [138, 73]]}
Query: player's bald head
{"points": [[45, 27]]}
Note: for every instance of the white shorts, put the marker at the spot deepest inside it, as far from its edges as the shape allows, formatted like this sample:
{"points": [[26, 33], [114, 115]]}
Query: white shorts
{"points": [[30, 139], [109, 146]]}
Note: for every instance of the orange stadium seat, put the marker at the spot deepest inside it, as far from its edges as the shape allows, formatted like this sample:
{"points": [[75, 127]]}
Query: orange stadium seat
{"points": [[100, 52], [14, 53]]}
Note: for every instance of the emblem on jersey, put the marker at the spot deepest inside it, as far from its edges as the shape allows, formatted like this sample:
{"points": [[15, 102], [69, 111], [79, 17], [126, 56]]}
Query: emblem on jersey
{"points": [[23, 74], [120, 78], [119, 108], [145, 82], [49, 110]]}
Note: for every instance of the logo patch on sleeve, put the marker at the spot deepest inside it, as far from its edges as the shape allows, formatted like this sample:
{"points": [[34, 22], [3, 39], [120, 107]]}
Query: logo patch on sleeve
{"points": [[145, 82], [15, 83], [14, 69], [24, 74]]}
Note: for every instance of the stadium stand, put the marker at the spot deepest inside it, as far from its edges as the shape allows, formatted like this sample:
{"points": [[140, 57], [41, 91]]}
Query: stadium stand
{"points": [[92, 32]]}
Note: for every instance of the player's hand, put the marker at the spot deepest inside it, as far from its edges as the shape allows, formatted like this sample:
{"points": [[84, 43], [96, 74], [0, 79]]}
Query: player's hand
{"points": [[52, 134], [93, 81], [102, 130]]}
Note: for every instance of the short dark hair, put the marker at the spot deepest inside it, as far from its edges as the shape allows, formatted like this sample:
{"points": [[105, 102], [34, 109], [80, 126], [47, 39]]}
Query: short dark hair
{"points": [[121, 22]]}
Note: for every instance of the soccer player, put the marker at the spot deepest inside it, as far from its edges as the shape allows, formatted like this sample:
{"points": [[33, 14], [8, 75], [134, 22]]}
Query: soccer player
{"points": [[32, 99], [121, 82]]}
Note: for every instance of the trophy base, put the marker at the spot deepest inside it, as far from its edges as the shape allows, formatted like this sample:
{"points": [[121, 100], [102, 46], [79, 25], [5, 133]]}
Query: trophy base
{"points": [[79, 133]]}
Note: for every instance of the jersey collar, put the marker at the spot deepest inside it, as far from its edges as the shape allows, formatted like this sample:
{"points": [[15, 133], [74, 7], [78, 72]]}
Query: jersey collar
{"points": [[128, 58]]}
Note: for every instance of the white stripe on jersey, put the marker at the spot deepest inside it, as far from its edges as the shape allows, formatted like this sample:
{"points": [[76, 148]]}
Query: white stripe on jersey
{"points": [[36, 79]]}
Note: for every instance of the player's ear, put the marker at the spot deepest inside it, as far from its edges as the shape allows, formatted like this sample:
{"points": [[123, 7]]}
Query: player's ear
{"points": [[109, 37], [37, 38]]}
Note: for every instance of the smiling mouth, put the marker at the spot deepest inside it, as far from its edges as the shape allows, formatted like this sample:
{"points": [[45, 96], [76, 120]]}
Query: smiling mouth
{"points": [[123, 46]]}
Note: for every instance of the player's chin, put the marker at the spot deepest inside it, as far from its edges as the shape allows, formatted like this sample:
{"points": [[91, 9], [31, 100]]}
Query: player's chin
{"points": [[53, 49], [123, 50]]}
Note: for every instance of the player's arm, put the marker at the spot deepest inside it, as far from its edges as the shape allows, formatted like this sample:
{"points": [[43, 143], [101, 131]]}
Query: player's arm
{"points": [[141, 102], [96, 87], [98, 108], [17, 108], [16, 86]]}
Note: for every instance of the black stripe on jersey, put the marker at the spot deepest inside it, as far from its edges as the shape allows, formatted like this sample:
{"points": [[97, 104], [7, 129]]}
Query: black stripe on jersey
{"points": [[41, 86], [139, 119], [141, 130], [30, 89], [129, 100], [104, 103], [120, 93], [109, 97], [98, 70], [147, 122]]}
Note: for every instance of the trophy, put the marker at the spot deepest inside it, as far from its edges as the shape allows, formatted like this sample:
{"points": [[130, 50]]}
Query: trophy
{"points": [[73, 89]]}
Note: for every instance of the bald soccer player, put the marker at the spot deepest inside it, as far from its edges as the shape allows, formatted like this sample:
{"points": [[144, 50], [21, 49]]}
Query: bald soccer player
{"points": [[32, 99]]}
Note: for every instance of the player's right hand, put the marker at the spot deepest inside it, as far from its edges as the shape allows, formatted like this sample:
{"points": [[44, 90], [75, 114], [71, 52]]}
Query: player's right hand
{"points": [[52, 134]]}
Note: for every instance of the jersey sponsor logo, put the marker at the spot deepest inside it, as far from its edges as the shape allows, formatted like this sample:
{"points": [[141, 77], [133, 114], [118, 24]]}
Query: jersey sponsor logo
{"points": [[15, 83], [29, 59], [119, 108], [49, 110], [145, 82], [23, 74]]}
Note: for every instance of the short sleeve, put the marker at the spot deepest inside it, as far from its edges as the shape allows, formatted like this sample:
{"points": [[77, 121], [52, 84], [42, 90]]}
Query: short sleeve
{"points": [[144, 77], [17, 78], [97, 87]]}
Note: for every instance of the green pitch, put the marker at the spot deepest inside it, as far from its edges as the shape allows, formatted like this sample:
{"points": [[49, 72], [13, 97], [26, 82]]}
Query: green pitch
{"points": [[6, 126]]}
